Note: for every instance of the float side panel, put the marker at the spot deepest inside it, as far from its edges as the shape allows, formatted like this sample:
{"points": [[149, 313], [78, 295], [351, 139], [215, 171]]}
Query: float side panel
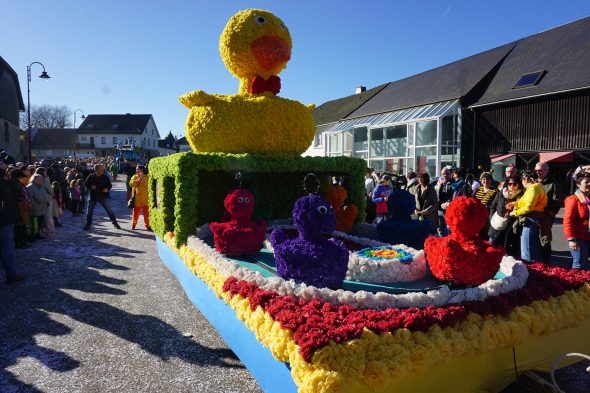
{"points": [[272, 375]]}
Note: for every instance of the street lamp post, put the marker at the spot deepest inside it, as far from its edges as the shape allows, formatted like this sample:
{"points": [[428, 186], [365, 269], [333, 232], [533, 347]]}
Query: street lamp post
{"points": [[43, 75], [81, 117]]}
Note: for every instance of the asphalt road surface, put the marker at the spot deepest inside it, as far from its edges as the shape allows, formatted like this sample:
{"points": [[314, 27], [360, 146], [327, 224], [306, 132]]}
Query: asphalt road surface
{"points": [[99, 312]]}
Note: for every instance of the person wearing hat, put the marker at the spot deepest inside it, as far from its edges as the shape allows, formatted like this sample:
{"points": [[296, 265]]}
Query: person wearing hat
{"points": [[576, 218], [380, 196]]}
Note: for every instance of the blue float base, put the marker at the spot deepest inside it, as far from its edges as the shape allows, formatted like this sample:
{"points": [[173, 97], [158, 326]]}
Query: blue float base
{"points": [[271, 375]]}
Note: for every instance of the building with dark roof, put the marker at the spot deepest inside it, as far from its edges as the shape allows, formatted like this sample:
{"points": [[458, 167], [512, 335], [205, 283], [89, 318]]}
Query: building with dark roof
{"points": [[102, 134], [519, 102], [183, 145], [54, 143], [12, 138]]}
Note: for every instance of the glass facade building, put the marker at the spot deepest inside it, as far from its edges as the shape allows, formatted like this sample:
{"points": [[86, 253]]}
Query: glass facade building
{"points": [[421, 139]]}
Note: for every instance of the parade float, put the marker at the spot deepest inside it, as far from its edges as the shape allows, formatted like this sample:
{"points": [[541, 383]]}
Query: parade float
{"points": [[243, 226]]}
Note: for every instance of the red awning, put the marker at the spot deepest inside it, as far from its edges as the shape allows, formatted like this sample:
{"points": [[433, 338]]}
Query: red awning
{"points": [[556, 156], [501, 157]]}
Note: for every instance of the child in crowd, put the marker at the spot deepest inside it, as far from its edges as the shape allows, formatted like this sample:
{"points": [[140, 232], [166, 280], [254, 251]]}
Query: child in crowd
{"points": [[58, 203], [75, 197], [380, 196]]}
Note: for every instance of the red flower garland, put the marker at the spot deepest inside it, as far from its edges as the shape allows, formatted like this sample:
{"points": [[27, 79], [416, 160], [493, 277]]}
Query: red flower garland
{"points": [[315, 324]]}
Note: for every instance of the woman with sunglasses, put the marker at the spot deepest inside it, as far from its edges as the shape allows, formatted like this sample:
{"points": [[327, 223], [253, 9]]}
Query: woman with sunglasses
{"points": [[500, 231], [575, 221], [529, 210]]}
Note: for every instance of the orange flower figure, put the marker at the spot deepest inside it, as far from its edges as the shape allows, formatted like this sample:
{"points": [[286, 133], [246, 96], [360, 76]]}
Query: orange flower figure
{"points": [[462, 257], [345, 215]]}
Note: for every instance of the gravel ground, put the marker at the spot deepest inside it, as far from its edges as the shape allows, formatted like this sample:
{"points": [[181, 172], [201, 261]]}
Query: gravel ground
{"points": [[99, 312]]}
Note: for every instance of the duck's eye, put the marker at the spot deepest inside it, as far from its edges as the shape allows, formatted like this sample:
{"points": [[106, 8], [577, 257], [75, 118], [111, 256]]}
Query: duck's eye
{"points": [[283, 26], [322, 209], [260, 20], [247, 200], [240, 199]]}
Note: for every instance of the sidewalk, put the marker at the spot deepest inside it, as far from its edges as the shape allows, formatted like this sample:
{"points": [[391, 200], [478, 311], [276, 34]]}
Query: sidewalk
{"points": [[99, 312]]}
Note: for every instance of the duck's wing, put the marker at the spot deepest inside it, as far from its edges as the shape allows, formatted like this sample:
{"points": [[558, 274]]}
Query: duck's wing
{"points": [[196, 98]]}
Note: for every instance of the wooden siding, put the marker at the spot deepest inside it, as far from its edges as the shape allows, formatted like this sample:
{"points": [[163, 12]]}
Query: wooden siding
{"points": [[558, 122]]}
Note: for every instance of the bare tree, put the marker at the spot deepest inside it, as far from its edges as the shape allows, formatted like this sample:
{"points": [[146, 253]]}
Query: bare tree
{"points": [[47, 116]]}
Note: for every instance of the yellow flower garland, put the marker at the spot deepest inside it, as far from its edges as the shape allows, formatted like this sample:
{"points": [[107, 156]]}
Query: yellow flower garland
{"points": [[374, 362]]}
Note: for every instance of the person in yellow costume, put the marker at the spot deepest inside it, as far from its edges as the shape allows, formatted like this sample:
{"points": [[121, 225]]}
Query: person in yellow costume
{"points": [[255, 47], [139, 184], [529, 211]]}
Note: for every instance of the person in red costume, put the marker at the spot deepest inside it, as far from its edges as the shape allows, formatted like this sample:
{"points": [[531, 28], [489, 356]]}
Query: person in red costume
{"points": [[240, 235], [463, 257], [345, 215]]}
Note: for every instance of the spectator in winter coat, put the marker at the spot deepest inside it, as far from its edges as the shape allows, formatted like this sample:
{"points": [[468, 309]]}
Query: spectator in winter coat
{"points": [[529, 211], [139, 183], [554, 194], [24, 209], [444, 192], [506, 237], [426, 201], [40, 200], [576, 222], [8, 217], [99, 186], [380, 196], [486, 193], [459, 186]]}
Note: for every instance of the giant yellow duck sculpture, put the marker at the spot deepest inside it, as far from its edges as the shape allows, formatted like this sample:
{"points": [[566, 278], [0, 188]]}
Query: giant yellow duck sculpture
{"points": [[255, 46]]}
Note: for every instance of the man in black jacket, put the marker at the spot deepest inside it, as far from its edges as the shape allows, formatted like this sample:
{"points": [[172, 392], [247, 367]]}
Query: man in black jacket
{"points": [[554, 202], [98, 184], [9, 215]]}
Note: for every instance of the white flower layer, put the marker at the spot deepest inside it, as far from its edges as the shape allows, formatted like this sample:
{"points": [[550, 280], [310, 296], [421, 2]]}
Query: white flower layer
{"points": [[516, 272]]}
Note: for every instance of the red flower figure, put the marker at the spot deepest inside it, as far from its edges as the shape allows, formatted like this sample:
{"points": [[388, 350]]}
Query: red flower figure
{"points": [[462, 257], [240, 235]]}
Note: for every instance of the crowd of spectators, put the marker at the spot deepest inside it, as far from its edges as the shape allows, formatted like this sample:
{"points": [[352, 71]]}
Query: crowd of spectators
{"points": [[522, 207]]}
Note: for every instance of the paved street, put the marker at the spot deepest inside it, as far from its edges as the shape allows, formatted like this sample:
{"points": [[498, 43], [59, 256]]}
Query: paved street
{"points": [[99, 312]]}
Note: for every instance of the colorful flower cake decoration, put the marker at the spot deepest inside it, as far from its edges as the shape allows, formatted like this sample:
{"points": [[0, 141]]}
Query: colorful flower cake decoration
{"points": [[311, 257], [240, 235], [462, 257], [255, 47], [345, 215]]}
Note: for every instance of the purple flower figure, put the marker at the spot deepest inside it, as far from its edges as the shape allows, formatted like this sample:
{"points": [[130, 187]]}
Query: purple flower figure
{"points": [[311, 257]]}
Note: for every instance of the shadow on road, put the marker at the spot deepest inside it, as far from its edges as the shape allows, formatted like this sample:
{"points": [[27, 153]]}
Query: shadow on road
{"points": [[74, 261]]}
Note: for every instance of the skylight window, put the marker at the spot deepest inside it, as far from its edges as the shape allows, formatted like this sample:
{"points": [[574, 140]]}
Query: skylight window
{"points": [[530, 79], [115, 126]]}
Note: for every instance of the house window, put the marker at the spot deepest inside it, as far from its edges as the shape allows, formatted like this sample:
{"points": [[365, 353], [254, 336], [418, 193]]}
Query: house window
{"points": [[103, 140], [82, 138], [114, 140], [6, 132]]}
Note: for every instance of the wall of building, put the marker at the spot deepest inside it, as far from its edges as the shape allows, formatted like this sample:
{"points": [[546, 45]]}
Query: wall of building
{"points": [[557, 122], [10, 135]]}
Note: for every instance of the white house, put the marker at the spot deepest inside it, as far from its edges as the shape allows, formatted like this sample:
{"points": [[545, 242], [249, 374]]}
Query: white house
{"points": [[101, 134]]}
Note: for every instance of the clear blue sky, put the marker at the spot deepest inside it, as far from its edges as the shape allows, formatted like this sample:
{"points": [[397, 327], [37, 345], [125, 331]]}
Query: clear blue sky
{"points": [[139, 56]]}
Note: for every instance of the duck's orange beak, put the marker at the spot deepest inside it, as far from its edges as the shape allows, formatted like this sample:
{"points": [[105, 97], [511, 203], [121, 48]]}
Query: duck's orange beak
{"points": [[271, 52]]}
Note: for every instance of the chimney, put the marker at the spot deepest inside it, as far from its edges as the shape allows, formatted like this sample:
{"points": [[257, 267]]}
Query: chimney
{"points": [[360, 89]]}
